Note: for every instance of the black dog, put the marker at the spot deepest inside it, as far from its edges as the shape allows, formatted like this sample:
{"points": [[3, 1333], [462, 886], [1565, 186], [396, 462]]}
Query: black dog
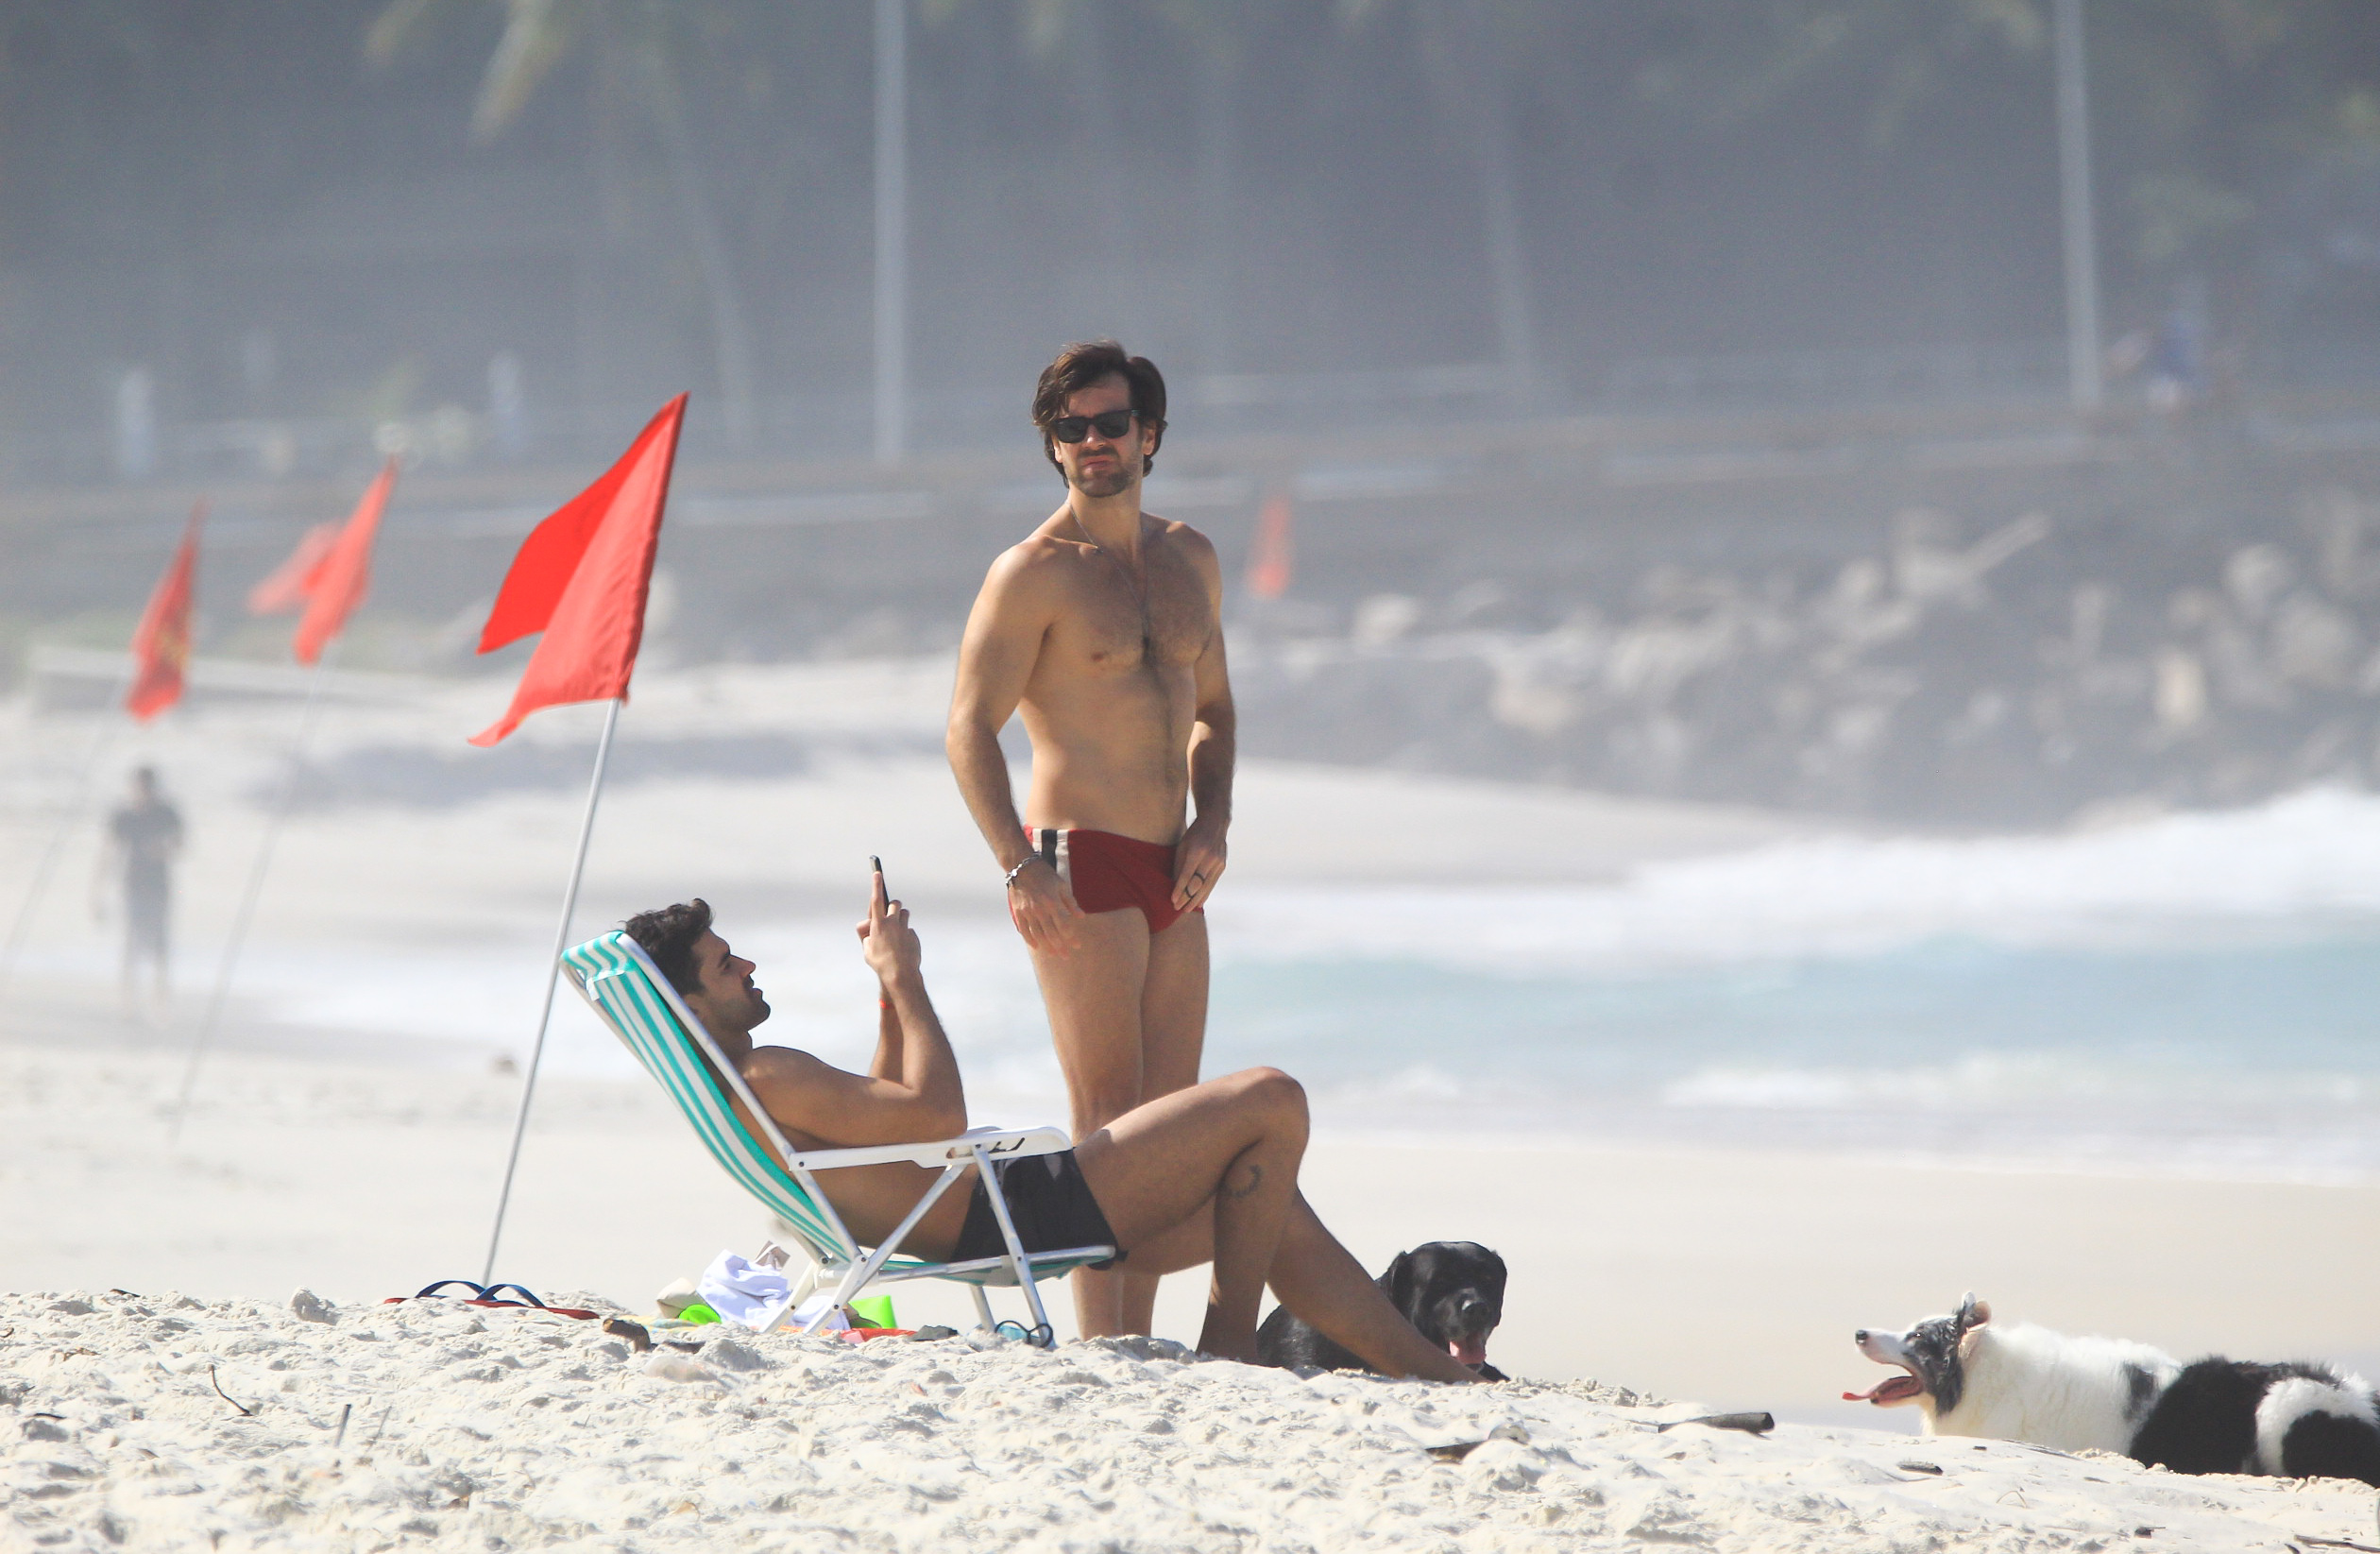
{"points": [[1452, 1292]]}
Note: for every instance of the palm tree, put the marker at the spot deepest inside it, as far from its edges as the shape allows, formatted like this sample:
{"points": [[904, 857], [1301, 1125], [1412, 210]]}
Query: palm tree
{"points": [[636, 46]]}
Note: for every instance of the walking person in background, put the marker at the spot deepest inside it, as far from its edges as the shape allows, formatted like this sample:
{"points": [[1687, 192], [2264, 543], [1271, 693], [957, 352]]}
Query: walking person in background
{"points": [[1104, 629], [144, 836]]}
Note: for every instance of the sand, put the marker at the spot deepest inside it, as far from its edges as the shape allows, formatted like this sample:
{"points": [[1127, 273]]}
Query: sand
{"points": [[164, 1423]]}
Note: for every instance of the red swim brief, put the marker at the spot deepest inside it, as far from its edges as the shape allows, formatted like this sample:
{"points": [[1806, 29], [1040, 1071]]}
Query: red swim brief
{"points": [[1107, 872]]}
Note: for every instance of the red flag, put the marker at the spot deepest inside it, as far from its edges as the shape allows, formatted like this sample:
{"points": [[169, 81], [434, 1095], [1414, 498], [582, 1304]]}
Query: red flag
{"points": [[580, 577], [1268, 567], [284, 592], [160, 643], [338, 583]]}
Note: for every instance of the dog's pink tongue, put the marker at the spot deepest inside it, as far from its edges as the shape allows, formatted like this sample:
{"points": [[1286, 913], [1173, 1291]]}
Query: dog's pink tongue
{"points": [[1471, 1352], [1890, 1390]]}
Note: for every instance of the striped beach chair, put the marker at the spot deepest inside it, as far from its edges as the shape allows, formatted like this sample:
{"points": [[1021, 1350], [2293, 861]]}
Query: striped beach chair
{"points": [[619, 981]]}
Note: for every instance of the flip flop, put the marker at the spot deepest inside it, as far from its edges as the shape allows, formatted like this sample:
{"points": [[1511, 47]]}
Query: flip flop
{"points": [[490, 1295]]}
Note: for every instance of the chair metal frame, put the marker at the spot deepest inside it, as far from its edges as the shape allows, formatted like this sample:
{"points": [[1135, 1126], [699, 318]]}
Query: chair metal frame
{"points": [[619, 980]]}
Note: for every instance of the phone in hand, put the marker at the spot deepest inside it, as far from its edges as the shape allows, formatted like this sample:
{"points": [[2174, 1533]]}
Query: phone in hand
{"points": [[884, 894]]}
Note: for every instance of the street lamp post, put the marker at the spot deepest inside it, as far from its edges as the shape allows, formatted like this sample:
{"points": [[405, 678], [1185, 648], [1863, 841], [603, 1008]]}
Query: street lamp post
{"points": [[2074, 202], [891, 229]]}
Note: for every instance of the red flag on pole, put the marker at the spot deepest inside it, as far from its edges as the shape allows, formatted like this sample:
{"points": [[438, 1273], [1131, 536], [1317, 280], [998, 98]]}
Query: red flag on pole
{"points": [[1268, 567], [160, 643], [580, 577], [339, 581], [284, 591]]}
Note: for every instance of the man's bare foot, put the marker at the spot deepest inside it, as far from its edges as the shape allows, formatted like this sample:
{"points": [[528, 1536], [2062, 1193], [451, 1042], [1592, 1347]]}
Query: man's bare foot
{"points": [[1229, 1345]]}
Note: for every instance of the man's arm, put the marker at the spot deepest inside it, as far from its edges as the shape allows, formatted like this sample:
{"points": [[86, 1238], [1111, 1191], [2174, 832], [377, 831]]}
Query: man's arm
{"points": [[996, 662], [1199, 861], [921, 1099], [886, 1063]]}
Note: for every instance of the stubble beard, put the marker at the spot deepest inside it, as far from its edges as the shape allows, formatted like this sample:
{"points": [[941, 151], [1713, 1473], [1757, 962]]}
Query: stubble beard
{"points": [[1104, 483]]}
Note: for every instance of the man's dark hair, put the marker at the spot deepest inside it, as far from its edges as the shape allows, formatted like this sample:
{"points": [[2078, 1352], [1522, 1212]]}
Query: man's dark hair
{"points": [[668, 935], [1088, 362]]}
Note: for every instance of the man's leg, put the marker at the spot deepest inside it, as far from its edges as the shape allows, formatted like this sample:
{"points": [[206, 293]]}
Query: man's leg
{"points": [[1320, 1282], [130, 965], [1164, 1175], [1173, 1036], [162, 947], [1206, 1175], [1093, 997]]}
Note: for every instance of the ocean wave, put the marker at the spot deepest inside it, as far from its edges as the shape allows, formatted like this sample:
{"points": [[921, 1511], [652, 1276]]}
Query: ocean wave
{"points": [[2308, 863]]}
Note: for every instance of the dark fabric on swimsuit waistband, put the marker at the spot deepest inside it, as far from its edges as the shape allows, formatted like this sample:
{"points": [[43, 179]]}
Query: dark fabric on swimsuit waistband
{"points": [[1051, 1204]]}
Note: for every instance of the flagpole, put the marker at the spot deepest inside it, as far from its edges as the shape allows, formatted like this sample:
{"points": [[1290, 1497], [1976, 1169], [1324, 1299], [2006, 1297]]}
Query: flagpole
{"points": [[66, 820], [554, 977], [229, 965]]}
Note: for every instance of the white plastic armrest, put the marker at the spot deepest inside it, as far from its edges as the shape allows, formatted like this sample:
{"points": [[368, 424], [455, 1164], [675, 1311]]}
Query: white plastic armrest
{"points": [[1046, 1139]]}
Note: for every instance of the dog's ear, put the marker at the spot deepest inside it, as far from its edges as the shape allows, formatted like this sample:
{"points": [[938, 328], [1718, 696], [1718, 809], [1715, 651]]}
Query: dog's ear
{"points": [[1973, 1313], [1398, 1275]]}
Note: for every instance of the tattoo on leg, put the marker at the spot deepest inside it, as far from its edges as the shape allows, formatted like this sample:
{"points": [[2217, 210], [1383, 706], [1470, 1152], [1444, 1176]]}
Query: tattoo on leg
{"points": [[1255, 1180]]}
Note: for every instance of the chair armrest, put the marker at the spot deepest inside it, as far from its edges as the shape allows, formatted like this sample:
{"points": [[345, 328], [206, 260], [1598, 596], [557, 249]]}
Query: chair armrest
{"points": [[1046, 1139]]}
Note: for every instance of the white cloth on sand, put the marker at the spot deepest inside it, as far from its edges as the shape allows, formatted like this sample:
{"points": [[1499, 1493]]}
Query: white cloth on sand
{"points": [[744, 1292]]}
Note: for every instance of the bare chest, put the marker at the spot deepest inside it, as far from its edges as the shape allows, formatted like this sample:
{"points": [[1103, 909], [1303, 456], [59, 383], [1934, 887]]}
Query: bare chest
{"points": [[1119, 621]]}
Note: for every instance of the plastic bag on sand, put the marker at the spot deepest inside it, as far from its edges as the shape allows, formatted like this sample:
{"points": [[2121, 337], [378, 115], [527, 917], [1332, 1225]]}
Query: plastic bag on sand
{"points": [[744, 1292]]}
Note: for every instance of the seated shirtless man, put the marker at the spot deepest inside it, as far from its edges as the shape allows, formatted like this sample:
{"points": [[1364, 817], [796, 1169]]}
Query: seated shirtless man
{"points": [[1207, 1174]]}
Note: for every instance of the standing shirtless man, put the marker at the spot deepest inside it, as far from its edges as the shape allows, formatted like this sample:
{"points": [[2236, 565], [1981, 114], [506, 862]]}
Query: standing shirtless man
{"points": [[1104, 628]]}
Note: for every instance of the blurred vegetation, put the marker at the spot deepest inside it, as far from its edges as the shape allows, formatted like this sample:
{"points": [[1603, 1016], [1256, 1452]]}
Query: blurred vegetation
{"points": [[1242, 185]]}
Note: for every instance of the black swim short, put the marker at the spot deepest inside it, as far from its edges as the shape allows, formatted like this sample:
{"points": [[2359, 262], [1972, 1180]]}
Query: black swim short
{"points": [[1050, 1203]]}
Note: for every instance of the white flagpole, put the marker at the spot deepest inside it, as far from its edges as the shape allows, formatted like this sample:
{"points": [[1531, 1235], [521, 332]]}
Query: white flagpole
{"points": [[553, 976], [66, 820], [229, 963]]}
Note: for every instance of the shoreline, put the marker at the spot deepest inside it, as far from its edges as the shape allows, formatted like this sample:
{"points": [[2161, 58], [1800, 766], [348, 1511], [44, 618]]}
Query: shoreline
{"points": [[2146, 1138], [52, 1015]]}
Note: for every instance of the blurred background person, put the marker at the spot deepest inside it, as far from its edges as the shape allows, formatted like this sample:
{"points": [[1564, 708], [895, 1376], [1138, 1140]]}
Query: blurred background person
{"points": [[144, 836]]}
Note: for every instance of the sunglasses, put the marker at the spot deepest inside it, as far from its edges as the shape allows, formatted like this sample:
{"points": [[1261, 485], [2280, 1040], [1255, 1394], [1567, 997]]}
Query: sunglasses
{"points": [[1110, 424]]}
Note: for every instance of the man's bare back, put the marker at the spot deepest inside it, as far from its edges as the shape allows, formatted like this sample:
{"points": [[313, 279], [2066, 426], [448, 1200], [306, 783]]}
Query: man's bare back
{"points": [[1103, 629]]}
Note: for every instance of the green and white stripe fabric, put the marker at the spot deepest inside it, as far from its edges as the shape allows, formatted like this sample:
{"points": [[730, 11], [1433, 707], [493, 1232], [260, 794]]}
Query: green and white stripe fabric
{"points": [[613, 974], [616, 977]]}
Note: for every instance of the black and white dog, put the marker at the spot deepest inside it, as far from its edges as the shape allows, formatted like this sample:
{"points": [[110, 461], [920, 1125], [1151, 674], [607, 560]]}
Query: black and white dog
{"points": [[2213, 1415], [1451, 1290]]}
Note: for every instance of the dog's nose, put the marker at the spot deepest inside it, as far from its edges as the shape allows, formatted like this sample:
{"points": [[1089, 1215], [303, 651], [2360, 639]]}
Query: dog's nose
{"points": [[1859, 1337]]}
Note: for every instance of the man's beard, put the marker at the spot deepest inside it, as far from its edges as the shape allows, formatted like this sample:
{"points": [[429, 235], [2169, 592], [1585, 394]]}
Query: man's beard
{"points": [[1113, 480]]}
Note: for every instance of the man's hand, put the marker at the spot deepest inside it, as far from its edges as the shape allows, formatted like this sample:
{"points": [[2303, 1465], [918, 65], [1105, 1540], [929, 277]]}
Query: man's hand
{"points": [[1197, 863], [886, 941], [1044, 910]]}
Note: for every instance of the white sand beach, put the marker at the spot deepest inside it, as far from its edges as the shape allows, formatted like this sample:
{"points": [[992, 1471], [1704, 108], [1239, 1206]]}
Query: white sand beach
{"points": [[166, 1423], [349, 1130]]}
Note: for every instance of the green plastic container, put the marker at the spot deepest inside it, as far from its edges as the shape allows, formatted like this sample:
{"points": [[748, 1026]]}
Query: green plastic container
{"points": [[874, 1311], [697, 1313]]}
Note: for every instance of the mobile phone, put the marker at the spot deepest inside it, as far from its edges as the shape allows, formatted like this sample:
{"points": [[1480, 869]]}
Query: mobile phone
{"points": [[884, 892]]}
